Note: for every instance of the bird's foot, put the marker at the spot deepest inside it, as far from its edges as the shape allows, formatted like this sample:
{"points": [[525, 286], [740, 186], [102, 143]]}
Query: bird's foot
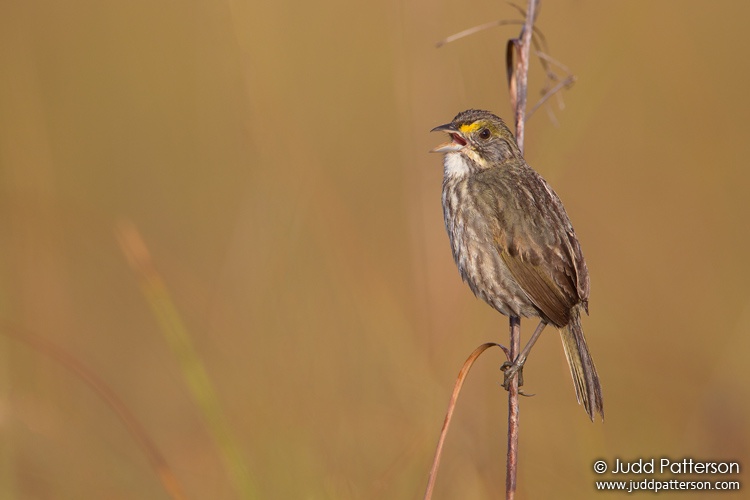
{"points": [[510, 369]]}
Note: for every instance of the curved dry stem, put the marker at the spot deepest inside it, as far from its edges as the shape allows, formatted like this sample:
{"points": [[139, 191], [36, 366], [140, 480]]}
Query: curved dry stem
{"points": [[493, 24], [39, 344], [477, 29], [452, 406]]}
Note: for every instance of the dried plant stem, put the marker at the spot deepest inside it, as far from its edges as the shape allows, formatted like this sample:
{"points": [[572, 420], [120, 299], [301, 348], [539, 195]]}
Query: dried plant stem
{"points": [[566, 83], [518, 75], [476, 29], [511, 468], [452, 406]]}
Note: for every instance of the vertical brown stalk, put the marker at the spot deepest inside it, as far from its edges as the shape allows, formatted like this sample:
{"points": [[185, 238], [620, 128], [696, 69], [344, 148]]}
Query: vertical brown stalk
{"points": [[518, 76], [512, 461]]}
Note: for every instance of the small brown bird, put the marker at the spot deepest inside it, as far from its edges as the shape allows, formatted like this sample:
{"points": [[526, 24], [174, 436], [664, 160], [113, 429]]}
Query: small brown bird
{"points": [[512, 241]]}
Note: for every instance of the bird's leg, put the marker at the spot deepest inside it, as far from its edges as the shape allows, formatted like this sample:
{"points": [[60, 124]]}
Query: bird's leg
{"points": [[511, 369]]}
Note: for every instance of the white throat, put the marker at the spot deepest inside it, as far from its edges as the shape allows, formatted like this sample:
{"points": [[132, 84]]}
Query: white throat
{"points": [[455, 165]]}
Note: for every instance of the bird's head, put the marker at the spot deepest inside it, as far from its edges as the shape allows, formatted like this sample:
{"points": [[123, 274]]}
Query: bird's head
{"points": [[479, 140]]}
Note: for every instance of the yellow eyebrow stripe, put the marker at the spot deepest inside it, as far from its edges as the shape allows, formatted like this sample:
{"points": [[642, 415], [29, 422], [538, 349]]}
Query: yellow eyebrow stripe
{"points": [[468, 128]]}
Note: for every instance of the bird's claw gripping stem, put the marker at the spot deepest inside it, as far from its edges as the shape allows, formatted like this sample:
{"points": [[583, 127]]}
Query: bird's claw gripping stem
{"points": [[510, 369]]}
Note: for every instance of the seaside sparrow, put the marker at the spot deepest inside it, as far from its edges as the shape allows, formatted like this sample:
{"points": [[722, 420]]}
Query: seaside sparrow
{"points": [[513, 243]]}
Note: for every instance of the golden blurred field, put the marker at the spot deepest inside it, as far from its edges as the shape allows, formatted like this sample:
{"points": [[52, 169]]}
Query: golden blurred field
{"points": [[273, 157]]}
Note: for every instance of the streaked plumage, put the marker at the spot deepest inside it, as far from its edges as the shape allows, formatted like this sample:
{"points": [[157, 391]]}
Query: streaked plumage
{"points": [[512, 240]]}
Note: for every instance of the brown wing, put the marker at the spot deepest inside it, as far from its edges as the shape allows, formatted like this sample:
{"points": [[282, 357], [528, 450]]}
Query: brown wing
{"points": [[536, 241]]}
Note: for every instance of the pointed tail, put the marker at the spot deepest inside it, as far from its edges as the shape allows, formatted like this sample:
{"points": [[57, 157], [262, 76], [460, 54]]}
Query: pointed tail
{"points": [[585, 378]]}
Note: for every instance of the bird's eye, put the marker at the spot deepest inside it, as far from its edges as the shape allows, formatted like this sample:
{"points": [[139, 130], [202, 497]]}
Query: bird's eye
{"points": [[484, 134]]}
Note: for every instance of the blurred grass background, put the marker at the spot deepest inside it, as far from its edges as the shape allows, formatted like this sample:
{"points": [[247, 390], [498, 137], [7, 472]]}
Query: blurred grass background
{"points": [[274, 158]]}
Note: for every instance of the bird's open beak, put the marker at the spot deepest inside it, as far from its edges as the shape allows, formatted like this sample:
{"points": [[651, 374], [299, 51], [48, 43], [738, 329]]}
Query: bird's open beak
{"points": [[457, 142]]}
